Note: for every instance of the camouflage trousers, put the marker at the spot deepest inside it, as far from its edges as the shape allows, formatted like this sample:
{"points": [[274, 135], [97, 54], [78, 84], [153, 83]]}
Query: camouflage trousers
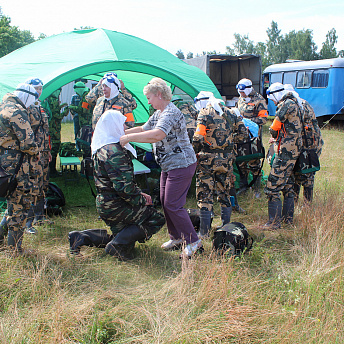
{"points": [[252, 166], [214, 175], [118, 214], [281, 178], [306, 180]]}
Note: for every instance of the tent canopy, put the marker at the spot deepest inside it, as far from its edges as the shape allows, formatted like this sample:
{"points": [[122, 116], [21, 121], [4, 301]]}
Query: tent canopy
{"points": [[66, 57]]}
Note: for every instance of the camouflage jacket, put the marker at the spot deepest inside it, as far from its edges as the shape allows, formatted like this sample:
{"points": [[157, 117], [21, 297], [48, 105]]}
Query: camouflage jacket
{"points": [[114, 175], [16, 134], [255, 109], [215, 134], [289, 137], [118, 103], [312, 129], [56, 117], [97, 92], [84, 110], [190, 113], [40, 125]]}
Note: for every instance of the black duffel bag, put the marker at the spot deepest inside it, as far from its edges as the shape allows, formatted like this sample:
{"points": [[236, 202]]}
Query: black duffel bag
{"points": [[8, 182], [250, 150], [307, 162]]}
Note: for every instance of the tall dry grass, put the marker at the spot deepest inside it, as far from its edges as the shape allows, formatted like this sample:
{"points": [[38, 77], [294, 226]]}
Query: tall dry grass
{"points": [[288, 289]]}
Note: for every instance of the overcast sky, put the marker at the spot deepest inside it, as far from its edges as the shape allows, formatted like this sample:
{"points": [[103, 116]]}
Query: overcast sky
{"points": [[189, 25]]}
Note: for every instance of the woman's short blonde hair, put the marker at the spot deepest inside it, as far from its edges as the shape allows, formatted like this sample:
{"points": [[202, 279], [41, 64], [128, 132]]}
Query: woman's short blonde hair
{"points": [[158, 85]]}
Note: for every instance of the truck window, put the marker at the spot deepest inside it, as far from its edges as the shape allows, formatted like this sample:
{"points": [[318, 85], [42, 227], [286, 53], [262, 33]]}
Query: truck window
{"points": [[289, 78], [320, 78], [275, 77], [304, 79]]}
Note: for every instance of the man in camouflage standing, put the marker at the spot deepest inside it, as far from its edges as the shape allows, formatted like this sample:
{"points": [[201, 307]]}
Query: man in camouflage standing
{"points": [[213, 142], [39, 170], [82, 110], [253, 106], [120, 202], [53, 108], [314, 141], [17, 143], [286, 132], [111, 98]]}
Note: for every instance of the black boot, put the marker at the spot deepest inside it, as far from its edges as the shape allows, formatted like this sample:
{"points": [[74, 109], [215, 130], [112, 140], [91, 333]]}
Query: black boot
{"points": [[205, 222], [14, 241], [89, 237], [226, 213], [3, 230], [288, 210], [243, 184], [308, 194], [275, 210], [39, 211], [30, 217], [122, 245]]}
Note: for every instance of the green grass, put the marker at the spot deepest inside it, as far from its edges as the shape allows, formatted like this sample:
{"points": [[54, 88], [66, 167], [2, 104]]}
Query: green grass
{"points": [[288, 289]]}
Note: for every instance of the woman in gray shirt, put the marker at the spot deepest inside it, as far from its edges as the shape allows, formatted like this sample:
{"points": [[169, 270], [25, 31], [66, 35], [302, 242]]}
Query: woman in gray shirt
{"points": [[166, 129]]}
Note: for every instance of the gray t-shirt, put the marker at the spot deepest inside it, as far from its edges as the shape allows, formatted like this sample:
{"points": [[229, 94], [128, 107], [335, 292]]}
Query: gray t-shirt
{"points": [[175, 150]]}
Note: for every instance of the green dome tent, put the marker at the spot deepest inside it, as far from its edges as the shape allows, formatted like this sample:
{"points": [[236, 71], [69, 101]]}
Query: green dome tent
{"points": [[66, 57]]}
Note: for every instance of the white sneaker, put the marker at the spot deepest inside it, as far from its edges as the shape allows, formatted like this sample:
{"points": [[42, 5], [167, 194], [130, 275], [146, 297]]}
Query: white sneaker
{"points": [[192, 248], [172, 244]]}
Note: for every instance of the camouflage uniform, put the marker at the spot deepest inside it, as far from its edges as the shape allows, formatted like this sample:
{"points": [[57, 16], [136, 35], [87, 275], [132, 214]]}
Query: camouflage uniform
{"points": [[53, 107], [84, 113], [288, 145], [39, 169], [256, 111], [16, 137], [119, 201], [215, 155], [118, 103], [314, 141], [190, 113]]}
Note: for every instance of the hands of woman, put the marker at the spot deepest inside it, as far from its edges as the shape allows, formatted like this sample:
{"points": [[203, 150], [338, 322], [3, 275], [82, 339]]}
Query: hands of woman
{"points": [[123, 140], [148, 198]]}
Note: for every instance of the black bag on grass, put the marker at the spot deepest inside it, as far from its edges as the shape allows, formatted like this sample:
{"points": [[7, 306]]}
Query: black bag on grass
{"points": [[232, 239], [54, 199]]}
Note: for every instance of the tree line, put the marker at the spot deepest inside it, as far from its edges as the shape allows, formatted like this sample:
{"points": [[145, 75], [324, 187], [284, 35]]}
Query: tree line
{"points": [[295, 45]]}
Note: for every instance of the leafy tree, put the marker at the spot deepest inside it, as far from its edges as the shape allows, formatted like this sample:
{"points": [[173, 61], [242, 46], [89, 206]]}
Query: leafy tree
{"points": [[189, 55], [298, 46], [242, 45], [328, 50], [11, 38], [273, 48], [180, 54]]}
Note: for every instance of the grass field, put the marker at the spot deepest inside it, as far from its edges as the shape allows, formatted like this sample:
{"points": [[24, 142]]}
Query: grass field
{"points": [[288, 289]]}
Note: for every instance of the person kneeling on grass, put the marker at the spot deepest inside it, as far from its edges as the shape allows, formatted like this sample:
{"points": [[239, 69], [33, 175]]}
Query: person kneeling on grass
{"points": [[120, 202]]}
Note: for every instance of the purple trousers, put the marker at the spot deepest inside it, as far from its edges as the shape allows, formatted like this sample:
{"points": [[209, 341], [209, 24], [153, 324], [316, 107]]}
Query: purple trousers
{"points": [[174, 186]]}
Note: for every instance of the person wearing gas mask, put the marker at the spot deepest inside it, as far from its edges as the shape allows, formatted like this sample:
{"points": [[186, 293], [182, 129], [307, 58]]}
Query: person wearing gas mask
{"points": [[112, 100], [39, 170], [286, 135], [314, 141], [18, 148], [120, 202], [253, 106], [213, 142]]}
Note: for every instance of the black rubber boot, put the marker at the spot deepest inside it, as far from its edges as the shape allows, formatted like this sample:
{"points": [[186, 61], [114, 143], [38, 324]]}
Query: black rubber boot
{"points": [[122, 245], [275, 214], [30, 217], [226, 213], [14, 241], [288, 210], [39, 211], [205, 222], [243, 184], [89, 237], [3, 230], [308, 194]]}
